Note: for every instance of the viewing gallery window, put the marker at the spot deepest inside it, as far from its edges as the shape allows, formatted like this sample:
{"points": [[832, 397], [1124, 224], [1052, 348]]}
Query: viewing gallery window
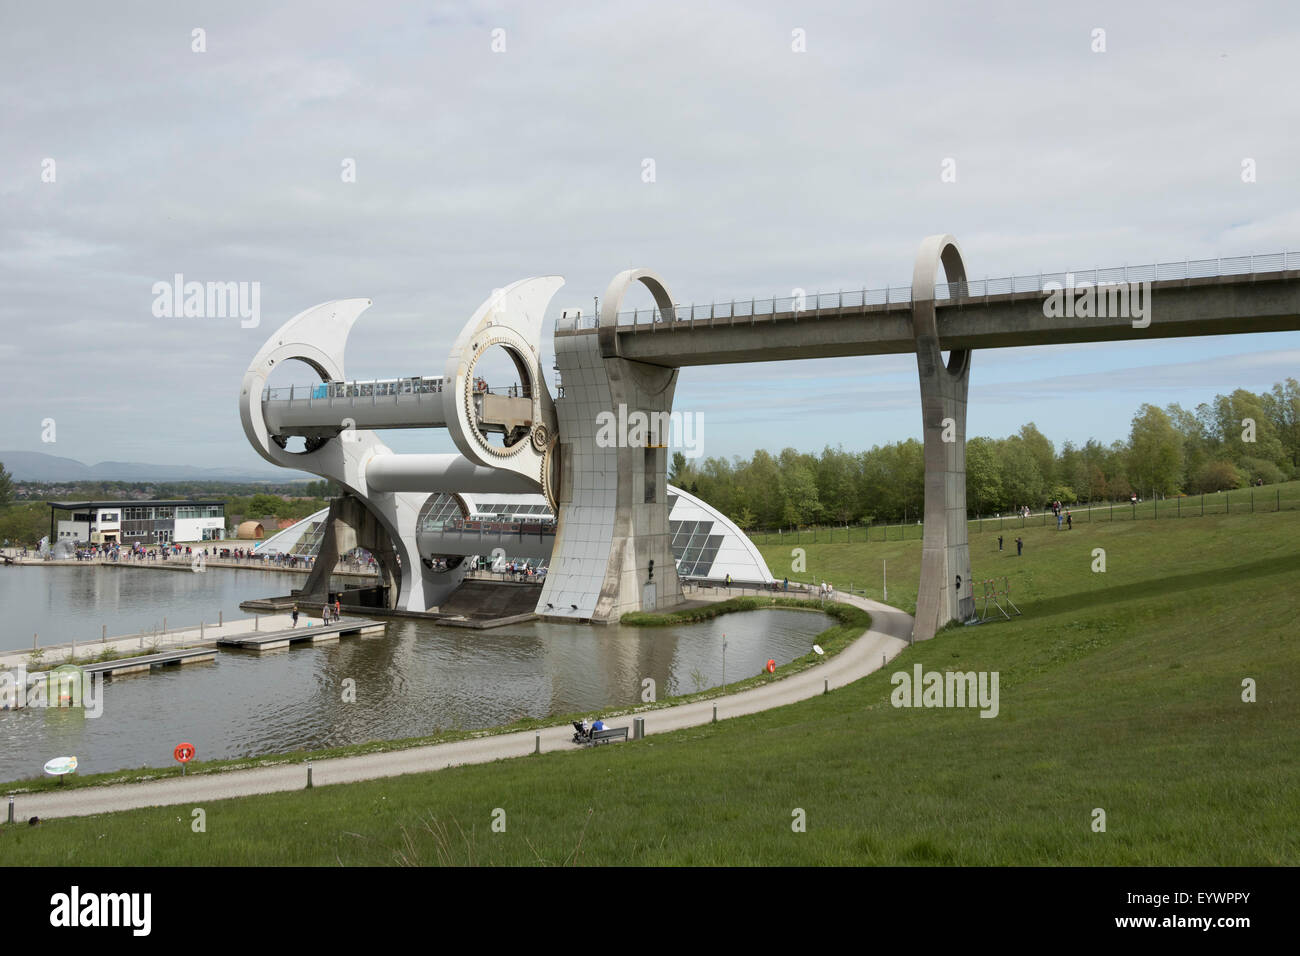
{"points": [[651, 457]]}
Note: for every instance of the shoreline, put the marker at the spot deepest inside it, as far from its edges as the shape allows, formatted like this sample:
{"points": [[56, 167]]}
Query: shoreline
{"points": [[538, 731]]}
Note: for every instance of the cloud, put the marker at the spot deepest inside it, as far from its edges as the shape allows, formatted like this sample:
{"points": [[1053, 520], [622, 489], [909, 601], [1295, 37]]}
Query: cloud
{"points": [[774, 169]]}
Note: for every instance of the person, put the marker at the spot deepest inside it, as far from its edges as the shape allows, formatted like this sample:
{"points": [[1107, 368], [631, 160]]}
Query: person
{"points": [[597, 724], [1058, 521], [295, 614], [1069, 521], [338, 607], [785, 584], [1020, 547], [728, 580], [999, 542]]}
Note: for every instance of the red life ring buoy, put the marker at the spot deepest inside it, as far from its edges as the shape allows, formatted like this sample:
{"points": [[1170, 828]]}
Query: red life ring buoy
{"points": [[771, 666]]}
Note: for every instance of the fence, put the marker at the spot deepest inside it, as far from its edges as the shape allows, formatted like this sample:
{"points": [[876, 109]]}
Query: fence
{"points": [[1242, 501]]}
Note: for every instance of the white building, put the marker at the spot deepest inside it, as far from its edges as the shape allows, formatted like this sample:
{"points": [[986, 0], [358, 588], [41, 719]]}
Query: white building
{"points": [[137, 522], [706, 544]]}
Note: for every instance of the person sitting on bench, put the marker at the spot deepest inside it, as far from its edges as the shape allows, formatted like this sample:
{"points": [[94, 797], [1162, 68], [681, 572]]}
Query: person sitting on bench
{"points": [[597, 724]]}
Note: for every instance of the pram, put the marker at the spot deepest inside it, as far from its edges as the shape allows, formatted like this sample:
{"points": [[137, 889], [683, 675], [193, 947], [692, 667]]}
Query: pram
{"points": [[582, 735]]}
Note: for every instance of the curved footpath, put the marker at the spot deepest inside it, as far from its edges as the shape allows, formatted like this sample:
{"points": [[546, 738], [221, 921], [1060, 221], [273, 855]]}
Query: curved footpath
{"points": [[887, 636]]}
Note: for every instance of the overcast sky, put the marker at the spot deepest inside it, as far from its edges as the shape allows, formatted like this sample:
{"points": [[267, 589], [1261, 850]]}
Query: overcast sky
{"points": [[773, 169]]}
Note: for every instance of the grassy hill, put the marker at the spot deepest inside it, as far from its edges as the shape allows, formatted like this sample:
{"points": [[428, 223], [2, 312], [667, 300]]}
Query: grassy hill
{"points": [[1119, 690]]}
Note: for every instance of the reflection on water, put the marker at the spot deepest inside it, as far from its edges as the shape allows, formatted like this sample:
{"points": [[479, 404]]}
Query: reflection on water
{"points": [[71, 603], [416, 679]]}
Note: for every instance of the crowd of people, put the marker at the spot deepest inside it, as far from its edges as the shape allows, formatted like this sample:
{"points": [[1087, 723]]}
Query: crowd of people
{"points": [[518, 570], [185, 552], [1062, 516]]}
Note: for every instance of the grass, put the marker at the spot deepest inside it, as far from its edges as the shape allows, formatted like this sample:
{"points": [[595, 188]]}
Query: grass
{"points": [[863, 564], [1119, 690]]}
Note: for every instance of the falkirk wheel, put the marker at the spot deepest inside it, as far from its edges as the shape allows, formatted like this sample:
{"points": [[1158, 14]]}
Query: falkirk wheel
{"points": [[611, 549]]}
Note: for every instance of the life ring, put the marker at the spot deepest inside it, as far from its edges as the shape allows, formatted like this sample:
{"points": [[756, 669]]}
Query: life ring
{"points": [[771, 666]]}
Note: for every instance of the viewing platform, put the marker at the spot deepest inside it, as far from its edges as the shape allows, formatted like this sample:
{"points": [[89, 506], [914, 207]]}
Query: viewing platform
{"points": [[309, 631]]}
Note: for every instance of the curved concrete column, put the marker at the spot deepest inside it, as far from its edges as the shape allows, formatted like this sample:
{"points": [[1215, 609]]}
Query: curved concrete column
{"points": [[945, 590]]}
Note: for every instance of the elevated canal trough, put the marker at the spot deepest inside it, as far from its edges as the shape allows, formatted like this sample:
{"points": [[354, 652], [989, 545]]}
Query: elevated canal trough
{"points": [[315, 633]]}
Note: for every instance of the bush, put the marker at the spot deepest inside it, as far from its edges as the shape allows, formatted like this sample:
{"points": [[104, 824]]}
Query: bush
{"points": [[1064, 494], [1256, 468], [1216, 476]]}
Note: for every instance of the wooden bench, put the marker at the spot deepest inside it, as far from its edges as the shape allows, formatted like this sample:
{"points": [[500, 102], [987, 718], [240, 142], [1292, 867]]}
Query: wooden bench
{"points": [[607, 735]]}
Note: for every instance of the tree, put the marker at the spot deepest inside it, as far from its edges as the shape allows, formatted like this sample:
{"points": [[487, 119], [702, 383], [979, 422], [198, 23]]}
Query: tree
{"points": [[677, 467], [799, 502], [1155, 452], [1022, 480], [983, 480], [1282, 405], [1197, 443], [6, 486], [836, 487], [745, 520], [1043, 451], [264, 504]]}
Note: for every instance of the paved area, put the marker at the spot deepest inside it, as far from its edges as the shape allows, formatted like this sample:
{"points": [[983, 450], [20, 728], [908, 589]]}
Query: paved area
{"points": [[886, 638]]}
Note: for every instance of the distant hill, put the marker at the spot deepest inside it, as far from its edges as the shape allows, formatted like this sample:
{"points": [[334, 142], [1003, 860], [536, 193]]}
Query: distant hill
{"points": [[36, 466]]}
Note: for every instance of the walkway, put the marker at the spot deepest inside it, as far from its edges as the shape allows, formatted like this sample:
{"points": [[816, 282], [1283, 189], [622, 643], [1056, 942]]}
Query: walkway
{"points": [[883, 641]]}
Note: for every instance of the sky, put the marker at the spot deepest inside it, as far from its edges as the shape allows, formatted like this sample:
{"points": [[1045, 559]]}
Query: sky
{"points": [[794, 145]]}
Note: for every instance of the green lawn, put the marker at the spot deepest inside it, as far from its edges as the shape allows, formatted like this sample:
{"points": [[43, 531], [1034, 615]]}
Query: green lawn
{"points": [[1120, 691]]}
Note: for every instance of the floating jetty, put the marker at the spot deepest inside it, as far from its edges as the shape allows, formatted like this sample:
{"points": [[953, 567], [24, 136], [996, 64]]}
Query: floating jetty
{"points": [[315, 634], [130, 665]]}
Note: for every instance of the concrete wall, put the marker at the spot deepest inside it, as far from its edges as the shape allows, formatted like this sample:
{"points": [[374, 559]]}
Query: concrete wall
{"points": [[608, 533]]}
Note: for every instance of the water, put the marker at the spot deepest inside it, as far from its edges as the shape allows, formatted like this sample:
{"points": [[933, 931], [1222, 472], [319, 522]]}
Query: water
{"points": [[416, 679], [71, 602]]}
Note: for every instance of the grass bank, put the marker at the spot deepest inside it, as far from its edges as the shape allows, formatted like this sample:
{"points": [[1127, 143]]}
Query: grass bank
{"points": [[1120, 690]]}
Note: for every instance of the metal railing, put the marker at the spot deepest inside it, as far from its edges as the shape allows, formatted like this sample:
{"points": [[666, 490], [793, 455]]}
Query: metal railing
{"points": [[483, 526], [387, 388], [830, 303], [375, 388]]}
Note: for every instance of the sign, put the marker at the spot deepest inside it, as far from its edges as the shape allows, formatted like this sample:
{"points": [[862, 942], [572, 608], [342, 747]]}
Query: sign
{"points": [[184, 752], [61, 765]]}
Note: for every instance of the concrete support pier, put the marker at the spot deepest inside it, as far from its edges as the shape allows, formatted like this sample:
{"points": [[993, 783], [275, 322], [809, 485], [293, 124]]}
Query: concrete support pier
{"points": [[613, 551], [945, 592]]}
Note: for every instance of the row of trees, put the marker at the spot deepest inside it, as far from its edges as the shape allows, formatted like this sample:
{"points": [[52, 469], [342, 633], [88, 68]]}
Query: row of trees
{"points": [[124, 490], [1235, 440]]}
